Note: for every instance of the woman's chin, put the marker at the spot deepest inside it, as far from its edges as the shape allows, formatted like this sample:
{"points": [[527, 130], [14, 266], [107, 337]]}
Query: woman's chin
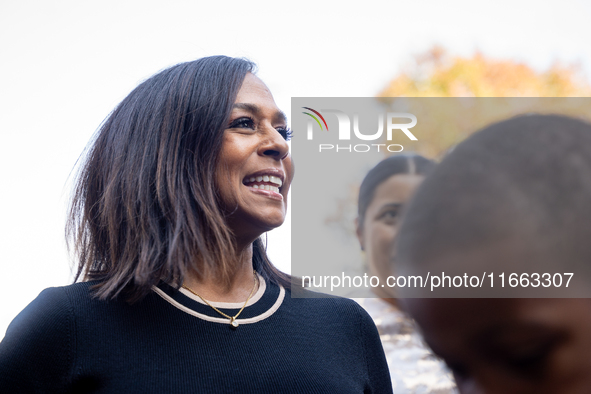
{"points": [[273, 224], [255, 226]]}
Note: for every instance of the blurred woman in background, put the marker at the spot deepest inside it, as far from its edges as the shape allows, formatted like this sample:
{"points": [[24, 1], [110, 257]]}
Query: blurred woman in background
{"points": [[382, 195]]}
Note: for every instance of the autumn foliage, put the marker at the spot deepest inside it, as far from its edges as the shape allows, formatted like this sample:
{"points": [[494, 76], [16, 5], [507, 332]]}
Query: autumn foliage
{"points": [[505, 88], [438, 74]]}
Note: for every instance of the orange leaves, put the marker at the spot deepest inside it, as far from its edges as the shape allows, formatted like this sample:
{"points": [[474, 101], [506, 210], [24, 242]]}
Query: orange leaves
{"points": [[438, 74]]}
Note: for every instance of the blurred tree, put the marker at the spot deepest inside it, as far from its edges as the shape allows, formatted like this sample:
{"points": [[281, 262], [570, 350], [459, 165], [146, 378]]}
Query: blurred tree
{"points": [[438, 74], [445, 120]]}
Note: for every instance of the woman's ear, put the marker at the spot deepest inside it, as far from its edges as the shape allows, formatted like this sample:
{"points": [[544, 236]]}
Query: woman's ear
{"points": [[359, 233]]}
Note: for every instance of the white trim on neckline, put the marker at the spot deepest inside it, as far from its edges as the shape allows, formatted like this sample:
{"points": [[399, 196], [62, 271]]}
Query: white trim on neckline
{"points": [[224, 320]]}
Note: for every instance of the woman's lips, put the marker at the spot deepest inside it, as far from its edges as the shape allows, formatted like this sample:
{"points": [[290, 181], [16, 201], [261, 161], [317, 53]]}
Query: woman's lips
{"points": [[266, 182], [274, 194]]}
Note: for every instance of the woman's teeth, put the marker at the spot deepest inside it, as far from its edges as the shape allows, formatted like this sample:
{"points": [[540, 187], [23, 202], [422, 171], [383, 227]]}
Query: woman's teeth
{"points": [[264, 182], [266, 187], [267, 178]]}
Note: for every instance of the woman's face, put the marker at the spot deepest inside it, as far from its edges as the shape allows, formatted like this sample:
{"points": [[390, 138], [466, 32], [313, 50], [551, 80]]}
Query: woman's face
{"points": [[380, 225], [255, 168]]}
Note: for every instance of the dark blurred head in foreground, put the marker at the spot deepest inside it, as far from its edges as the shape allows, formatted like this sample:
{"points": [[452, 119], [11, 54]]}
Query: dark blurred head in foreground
{"points": [[515, 195]]}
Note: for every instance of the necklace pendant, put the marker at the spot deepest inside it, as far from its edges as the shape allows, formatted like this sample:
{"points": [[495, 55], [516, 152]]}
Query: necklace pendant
{"points": [[233, 322]]}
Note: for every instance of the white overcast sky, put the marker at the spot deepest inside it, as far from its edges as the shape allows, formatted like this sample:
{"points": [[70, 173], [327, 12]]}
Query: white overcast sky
{"points": [[66, 64]]}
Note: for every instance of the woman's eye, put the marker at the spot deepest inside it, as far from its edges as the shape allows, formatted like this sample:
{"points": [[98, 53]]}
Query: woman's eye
{"points": [[242, 123], [285, 132], [390, 216]]}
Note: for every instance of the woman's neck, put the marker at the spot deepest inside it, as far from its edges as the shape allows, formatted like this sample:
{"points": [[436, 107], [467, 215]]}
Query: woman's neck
{"points": [[213, 287]]}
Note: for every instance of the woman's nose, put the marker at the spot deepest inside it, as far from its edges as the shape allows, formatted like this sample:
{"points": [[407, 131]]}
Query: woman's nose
{"points": [[274, 145]]}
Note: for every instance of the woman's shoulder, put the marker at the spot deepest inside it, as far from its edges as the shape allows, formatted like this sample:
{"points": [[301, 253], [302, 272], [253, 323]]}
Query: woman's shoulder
{"points": [[343, 323], [44, 330], [51, 306], [327, 305], [52, 312], [58, 293]]}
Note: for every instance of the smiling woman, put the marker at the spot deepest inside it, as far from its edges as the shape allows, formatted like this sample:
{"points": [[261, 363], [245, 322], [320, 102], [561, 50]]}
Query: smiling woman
{"points": [[176, 292], [255, 172], [145, 208]]}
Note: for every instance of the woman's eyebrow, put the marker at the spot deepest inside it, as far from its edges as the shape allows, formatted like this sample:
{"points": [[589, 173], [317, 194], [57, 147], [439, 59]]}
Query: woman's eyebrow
{"points": [[279, 115], [396, 205]]}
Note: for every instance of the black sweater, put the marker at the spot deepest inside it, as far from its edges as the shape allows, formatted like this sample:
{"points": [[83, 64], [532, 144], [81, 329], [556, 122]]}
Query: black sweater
{"points": [[67, 341]]}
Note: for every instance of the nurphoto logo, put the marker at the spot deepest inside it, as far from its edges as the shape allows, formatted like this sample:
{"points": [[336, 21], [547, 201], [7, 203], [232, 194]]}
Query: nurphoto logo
{"points": [[344, 129]]}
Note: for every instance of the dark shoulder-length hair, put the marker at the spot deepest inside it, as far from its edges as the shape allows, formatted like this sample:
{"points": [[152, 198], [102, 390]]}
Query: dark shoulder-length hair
{"points": [[145, 207]]}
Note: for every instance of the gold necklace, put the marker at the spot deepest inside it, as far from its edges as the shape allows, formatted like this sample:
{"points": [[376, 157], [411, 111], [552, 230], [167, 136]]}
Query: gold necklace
{"points": [[233, 321]]}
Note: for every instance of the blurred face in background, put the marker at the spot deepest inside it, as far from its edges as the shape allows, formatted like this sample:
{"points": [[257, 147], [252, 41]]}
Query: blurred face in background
{"points": [[378, 229]]}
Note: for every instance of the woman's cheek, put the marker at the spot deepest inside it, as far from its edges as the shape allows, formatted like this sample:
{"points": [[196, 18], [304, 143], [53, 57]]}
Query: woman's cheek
{"points": [[382, 238]]}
